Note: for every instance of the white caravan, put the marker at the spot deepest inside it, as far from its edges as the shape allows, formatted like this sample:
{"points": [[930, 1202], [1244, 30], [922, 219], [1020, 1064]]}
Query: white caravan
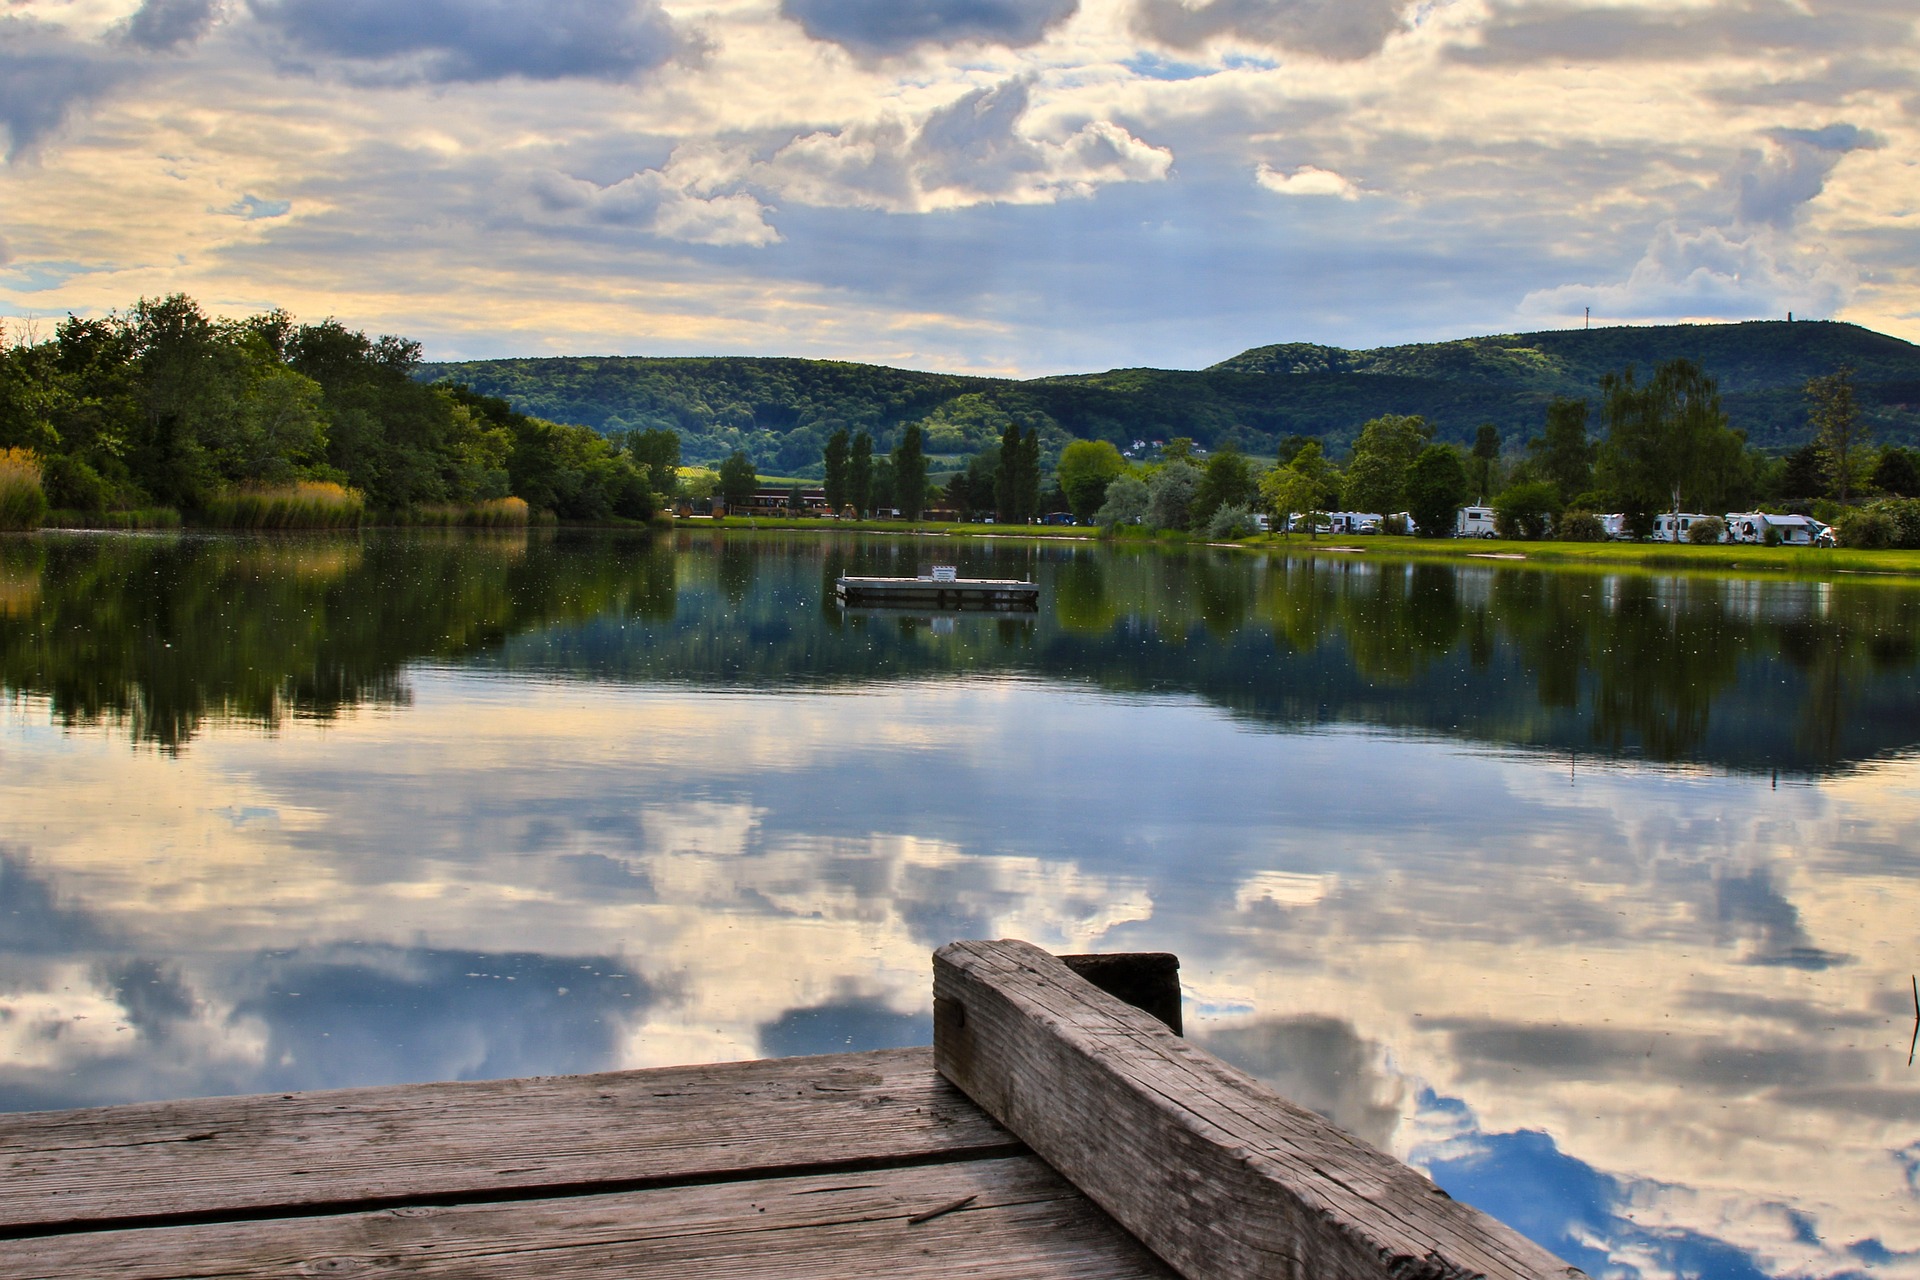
{"points": [[1668, 527], [1791, 531], [1473, 522], [1351, 522]]}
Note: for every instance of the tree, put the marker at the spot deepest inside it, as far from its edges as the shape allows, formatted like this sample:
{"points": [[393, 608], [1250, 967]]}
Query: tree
{"points": [[657, 449], [970, 492], [1178, 449], [1668, 443], [837, 455], [1085, 470], [1289, 490], [1126, 502], [1896, 473], [1170, 494], [1436, 485], [1525, 510], [1837, 430], [1376, 477], [1016, 497], [1226, 481], [1486, 452], [1563, 453], [910, 473], [860, 474], [738, 479]]}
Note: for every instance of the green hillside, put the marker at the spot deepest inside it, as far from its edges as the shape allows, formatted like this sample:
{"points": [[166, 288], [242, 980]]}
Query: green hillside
{"points": [[782, 410]]}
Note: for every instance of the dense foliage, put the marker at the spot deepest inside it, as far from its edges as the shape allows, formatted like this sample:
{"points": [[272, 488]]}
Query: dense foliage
{"points": [[783, 411], [266, 423]]}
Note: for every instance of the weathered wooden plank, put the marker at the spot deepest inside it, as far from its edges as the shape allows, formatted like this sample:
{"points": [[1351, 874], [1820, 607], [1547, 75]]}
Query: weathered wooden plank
{"points": [[222, 1155], [1006, 1217], [1147, 980], [1211, 1169]]}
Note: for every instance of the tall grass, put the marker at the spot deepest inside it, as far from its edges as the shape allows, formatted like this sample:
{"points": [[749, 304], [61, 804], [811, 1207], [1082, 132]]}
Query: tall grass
{"points": [[495, 513], [23, 503], [305, 504]]}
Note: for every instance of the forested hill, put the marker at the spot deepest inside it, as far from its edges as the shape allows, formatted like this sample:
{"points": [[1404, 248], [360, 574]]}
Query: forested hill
{"points": [[782, 410]]}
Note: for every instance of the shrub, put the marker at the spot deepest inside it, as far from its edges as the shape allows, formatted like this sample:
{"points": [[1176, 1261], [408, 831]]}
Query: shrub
{"points": [[1525, 510], [1866, 528], [1580, 526], [305, 504], [72, 485], [23, 503], [1231, 522], [1707, 530]]}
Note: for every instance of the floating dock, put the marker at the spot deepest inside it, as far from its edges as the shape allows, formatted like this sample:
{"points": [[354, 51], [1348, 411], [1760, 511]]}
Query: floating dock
{"points": [[941, 590], [1053, 1132]]}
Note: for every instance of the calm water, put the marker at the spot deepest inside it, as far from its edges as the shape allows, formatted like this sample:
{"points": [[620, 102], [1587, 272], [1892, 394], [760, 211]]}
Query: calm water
{"points": [[1595, 895]]}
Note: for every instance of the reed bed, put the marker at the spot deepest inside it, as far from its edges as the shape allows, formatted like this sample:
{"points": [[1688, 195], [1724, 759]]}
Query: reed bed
{"points": [[495, 513], [23, 503], [133, 519], [306, 504]]}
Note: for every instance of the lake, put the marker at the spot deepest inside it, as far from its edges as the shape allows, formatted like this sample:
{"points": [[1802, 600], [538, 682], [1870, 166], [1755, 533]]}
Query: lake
{"points": [[1594, 894]]}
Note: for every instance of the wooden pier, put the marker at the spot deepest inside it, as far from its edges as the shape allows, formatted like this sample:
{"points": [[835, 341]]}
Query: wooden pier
{"points": [[939, 590], [1053, 1131]]}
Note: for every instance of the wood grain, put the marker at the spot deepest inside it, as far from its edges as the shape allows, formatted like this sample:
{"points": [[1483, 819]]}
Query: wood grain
{"points": [[1215, 1172], [1018, 1219], [214, 1156]]}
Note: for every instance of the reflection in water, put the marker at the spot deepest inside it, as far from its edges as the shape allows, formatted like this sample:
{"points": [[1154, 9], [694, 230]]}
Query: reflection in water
{"points": [[1491, 866]]}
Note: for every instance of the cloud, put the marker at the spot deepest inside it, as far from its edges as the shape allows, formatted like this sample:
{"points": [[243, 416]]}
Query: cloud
{"points": [[1518, 33], [162, 25], [45, 74], [1342, 30], [254, 209], [970, 152], [680, 201], [880, 28], [1775, 186], [1307, 181], [446, 41], [1749, 265]]}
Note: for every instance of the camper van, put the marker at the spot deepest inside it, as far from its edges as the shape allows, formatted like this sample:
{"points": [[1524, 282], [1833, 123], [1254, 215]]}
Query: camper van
{"points": [[1791, 531], [1669, 527], [1351, 522], [1473, 522]]}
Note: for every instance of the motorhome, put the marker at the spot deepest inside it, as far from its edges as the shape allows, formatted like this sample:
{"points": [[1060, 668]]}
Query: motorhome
{"points": [[1669, 526], [1793, 531], [1473, 522], [1616, 527], [1351, 522]]}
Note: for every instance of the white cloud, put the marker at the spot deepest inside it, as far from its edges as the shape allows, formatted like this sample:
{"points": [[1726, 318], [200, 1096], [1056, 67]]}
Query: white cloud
{"points": [[1307, 181], [679, 201]]}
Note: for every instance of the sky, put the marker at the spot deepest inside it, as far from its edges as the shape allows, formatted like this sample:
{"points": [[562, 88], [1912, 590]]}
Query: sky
{"points": [[1017, 187]]}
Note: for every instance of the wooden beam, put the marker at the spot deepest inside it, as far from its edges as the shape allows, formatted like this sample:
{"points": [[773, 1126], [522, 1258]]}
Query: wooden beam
{"points": [[1209, 1168], [1006, 1217], [346, 1149], [1147, 980]]}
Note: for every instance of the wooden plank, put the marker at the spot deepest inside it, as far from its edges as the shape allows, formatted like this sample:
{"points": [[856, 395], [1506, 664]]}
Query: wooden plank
{"points": [[1211, 1169], [391, 1145], [1007, 1217], [1147, 980]]}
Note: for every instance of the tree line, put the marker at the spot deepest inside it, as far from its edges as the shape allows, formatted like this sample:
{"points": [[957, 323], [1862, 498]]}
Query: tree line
{"points": [[162, 406]]}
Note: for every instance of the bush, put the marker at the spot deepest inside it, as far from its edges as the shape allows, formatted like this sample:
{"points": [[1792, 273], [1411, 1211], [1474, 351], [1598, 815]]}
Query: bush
{"points": [[306, 504], [23, 503], [1866, 529], [1708, 530], [1580, 526], [1231, 523], [1395, 526], [72, 485], [1525, 510]]}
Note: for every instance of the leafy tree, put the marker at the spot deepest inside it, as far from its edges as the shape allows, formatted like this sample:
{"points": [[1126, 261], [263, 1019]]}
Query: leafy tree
{"points": [[1227, 480], [1525, 510], [1170, 494], [657, 449], [1837, 431], [910, 473], [1017, 485], [1376, 476], [1178, 449], [1486, 452], [1562, 453], [1896, 473], [1126, 502], [838, 453], [1668, 443], [1801, 475], [1085, 470], [1436, 486], [970, 492], [739, 481], [860, 474]]}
